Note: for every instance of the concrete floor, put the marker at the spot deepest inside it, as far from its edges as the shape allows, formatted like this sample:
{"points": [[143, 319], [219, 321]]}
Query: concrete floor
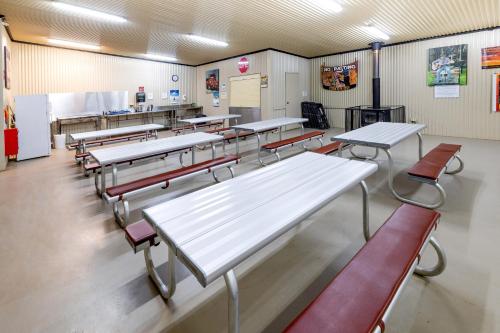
{"points": [[66, 267]]}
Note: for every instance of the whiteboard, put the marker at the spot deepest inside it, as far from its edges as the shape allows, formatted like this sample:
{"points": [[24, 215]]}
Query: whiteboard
{"points": [[244, 91]]}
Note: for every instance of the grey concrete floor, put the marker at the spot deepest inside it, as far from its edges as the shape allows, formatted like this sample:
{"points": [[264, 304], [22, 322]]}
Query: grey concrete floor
{"points": [[66, 266]]}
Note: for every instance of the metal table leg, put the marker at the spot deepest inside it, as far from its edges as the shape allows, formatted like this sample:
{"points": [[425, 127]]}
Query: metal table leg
{"points": [[212, 145], [103, 180], [366, 213], [166, 290], [193, 159], [114, 169], [237, 142], [232, 302], [339, 151], [441, 264], [258, 150]]}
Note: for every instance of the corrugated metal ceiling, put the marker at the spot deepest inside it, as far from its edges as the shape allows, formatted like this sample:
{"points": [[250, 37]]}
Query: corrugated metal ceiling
{"points": [[297, 26]]}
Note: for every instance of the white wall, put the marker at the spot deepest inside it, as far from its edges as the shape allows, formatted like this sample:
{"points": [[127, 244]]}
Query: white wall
{"points": [[281, 63], [271, 63], [403, 72], [258, 63], [40, 69]]}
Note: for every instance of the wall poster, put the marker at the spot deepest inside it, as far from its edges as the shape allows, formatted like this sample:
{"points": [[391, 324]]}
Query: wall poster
{"points": [[215, 99], [496, 93], [212, 80], [174, 96], [447, 65], [490, 57], [6, 66], [339, 78]]}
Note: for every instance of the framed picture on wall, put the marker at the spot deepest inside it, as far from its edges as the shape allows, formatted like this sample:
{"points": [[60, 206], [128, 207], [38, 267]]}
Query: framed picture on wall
{"points": [[6, 66], [490, 57], [495, 94], [447, 65], [212, 80]]}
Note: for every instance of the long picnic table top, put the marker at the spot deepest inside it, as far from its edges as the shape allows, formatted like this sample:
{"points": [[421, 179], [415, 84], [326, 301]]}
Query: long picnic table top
{"points": [[127, 152], [264, 125], [209, 118], [380, 135], [214, 229], [115, 131]]}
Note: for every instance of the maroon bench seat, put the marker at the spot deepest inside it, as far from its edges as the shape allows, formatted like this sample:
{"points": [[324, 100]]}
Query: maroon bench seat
{"points": [[219, 130], [119, 190], [356, 300], [329, 148], [140, 235], [294, 140], [433, 163], [123, 192]]}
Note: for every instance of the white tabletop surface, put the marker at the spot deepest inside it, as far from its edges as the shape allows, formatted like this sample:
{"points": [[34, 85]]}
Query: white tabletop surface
{"points": [[210, 118], [115, 131], [212, 230], [381, 134], [265, 125], [127, 152]]}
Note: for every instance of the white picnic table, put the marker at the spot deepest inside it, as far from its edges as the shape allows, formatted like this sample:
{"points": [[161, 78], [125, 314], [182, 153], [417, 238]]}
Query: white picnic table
{"points": [[382, 135], [213, 230], [82, 137], [265, 125], [113, 155], [200, 120]]}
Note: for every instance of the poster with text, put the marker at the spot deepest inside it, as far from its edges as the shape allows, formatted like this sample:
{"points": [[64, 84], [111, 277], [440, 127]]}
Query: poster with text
{"points": [[215, 99], [212, 80], [490, 57], [496, 93], [447, 65], [339, 78]]}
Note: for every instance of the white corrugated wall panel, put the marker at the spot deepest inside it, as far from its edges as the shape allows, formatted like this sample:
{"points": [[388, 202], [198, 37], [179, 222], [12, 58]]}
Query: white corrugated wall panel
{"points": [[282, 63], [403, 71], [39, 70]]}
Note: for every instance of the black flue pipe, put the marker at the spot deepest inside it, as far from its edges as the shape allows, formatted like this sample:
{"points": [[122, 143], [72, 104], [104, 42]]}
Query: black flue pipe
{"points": [[376, 47]]}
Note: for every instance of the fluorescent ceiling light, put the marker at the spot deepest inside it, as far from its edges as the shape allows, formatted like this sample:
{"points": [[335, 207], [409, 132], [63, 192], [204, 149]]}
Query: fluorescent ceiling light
{"points": [[159, 57], [208, 41], [73, 44], [329, 5], [88, 12], [375, 32]]}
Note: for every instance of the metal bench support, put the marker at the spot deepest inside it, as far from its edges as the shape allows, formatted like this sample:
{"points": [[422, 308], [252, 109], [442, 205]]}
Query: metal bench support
{"points": [[167, 290]]}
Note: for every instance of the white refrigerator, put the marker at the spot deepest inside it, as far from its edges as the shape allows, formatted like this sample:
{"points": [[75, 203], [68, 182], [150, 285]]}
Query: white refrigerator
{"points": [[33, 123]]}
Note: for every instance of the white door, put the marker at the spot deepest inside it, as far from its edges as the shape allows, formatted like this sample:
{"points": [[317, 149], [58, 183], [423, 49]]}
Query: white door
{"points": [[293, 97], [33, 124]]}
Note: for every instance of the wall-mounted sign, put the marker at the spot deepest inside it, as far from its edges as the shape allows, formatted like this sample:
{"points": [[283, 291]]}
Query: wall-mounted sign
{"points": [[243, 65], [215, 99], [140, 97], [338, 78], [141, 89], [174, 96], [264, 80], [175, 78]]}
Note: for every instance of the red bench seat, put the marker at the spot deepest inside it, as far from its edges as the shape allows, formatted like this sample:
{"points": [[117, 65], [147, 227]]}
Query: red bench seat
{"points": [[119, 190], [291, 141], [355, 301], [433, 163], [219, 130], [141, 234], [329, 148]]}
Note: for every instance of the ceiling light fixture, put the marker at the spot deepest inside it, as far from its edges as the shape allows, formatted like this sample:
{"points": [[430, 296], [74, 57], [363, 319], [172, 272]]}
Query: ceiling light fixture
{"points": [[208, 41], [375, 32], [88, 12], [75, 45], [159, 57], [329, 5]]}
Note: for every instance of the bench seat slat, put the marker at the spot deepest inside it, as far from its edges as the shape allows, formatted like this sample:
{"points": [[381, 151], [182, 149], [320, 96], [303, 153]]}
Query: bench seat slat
{"points": [[119, 190], [300, 138], [219, 130], [431, 165], [357, 298], [329, 148]]}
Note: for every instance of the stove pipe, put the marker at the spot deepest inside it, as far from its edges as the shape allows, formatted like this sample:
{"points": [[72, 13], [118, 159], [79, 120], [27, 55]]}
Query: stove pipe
{"points": [[376, 47]]}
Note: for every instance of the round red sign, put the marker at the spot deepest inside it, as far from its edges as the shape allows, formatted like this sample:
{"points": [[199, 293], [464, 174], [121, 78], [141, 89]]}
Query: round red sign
{"points": [[243, 65]]}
